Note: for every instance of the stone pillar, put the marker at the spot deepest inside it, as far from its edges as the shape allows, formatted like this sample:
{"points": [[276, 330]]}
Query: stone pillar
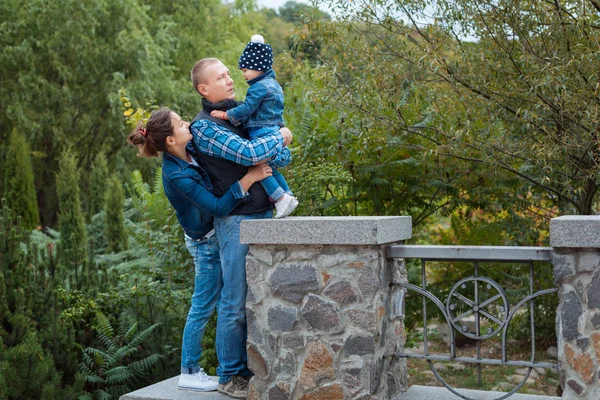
{"points": [[576, 259], [324, 318]]}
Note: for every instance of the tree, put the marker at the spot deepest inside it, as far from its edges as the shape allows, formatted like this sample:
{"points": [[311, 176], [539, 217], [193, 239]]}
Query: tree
{"points": [[114, 227], [73, 243], [40, 380], [31, 330], [62, 66], [293, 11], [508, 86], [97, 185], [19, 189]]}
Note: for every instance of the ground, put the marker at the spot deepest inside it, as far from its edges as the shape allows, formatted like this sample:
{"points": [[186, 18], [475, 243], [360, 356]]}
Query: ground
{"points": [[493, 377]]}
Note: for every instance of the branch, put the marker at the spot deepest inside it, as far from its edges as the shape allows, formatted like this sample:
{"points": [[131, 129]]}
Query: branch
{"points": [[596, 5]]}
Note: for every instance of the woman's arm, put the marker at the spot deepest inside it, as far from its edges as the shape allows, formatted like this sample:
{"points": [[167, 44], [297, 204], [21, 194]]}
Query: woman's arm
{"points": [[196, 194]]}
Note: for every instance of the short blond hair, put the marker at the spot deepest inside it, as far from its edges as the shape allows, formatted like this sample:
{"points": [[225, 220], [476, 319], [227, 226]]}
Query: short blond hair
{"points": [[197, 74]]}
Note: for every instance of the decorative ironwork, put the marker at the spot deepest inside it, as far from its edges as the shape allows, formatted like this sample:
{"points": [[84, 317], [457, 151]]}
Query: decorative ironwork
{"points": [[493, 307]]}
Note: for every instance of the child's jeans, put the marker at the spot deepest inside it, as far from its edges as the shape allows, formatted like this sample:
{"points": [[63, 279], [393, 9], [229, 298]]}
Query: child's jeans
{"points": [[275, 185]]}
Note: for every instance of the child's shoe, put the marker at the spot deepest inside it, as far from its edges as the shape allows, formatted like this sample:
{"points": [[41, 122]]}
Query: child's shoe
{"points": [[285, 206]]}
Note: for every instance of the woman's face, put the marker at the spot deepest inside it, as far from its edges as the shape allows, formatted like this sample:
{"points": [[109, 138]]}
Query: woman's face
{"points": [[181, 130]]}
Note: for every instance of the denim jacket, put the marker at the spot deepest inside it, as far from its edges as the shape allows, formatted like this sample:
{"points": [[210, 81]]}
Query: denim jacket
{"points": [[189, 191], [263, 105]]}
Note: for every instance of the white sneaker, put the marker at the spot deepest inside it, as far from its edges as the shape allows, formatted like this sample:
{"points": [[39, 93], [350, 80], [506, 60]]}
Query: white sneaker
{"points": [[198, 382], [285, 206]]}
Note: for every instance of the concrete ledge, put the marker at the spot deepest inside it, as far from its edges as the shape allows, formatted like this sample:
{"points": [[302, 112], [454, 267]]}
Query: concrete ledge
{"points": [[167, 390], [326, 230], [582, 231], [417, 392]]}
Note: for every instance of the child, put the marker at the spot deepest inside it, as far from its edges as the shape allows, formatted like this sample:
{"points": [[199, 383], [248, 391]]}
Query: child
{"points": [[261, 113]]}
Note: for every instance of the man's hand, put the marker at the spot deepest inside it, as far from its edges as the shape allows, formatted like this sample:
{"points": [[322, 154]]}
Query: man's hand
{"points": [[287, 135], [219, 114]]}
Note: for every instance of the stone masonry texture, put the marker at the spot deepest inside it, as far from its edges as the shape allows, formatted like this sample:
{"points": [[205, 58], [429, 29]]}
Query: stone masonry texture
{"points": [[321, 323], [576, 261]]}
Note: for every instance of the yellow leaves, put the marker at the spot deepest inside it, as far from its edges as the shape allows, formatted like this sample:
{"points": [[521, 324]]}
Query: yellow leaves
{"points": [[135, 114]]}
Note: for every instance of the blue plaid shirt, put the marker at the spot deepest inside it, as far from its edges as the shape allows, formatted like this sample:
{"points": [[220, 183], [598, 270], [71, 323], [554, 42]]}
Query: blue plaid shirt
{"points": [[214, 140]]}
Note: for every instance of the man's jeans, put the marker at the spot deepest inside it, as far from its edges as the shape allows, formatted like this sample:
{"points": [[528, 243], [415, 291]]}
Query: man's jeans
{"points": [[231, 320], [207, 286]]}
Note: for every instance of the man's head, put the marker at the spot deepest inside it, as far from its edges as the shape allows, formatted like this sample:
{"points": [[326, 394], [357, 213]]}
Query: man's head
{"points": [[211, 80]]}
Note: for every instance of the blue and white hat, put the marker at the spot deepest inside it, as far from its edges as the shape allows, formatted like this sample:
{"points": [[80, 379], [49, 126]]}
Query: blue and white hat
{"points": [[257, 55]]}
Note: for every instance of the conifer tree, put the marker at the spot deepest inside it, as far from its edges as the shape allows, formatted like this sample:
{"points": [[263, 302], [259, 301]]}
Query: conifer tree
{"points": [[19, 189], [98, 184], [31, 333], [73, 243], [114, 227]]}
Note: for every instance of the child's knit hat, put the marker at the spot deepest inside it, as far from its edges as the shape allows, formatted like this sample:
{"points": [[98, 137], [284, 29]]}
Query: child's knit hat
{"points": [[257, 55]]}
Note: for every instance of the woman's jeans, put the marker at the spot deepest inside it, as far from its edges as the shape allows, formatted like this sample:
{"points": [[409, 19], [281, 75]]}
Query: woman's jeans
{"points": [[207, 288], [231, 321]]}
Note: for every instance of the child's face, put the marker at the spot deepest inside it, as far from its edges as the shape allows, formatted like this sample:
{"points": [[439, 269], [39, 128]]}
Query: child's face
{"points": [[250, 74]]}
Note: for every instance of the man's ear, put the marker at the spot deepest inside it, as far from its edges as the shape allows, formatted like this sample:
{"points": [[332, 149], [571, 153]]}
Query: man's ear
{"points": [[202, 89]]}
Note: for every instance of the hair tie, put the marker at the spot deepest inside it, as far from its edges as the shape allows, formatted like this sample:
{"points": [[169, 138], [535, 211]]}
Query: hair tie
{"points": [[143, 132]]}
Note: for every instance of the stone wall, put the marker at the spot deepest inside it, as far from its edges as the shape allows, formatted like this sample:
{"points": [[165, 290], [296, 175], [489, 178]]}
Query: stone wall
{"points": [[325, 320], [576, 242]]}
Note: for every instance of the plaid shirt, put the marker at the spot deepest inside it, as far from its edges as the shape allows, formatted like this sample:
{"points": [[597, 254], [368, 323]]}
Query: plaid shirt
{"points": [[214, 140]]}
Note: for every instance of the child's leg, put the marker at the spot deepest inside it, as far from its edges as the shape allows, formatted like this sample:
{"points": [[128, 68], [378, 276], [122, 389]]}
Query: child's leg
{"points": [[272, 188], [281, 180], [255, 132]]}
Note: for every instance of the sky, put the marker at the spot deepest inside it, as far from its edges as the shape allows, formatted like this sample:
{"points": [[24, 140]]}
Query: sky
{"points": [[275, 4]]}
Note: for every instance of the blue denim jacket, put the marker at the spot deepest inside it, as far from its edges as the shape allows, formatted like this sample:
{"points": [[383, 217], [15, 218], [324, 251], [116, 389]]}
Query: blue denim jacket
{"points": [[188, 189], [263, 105]]}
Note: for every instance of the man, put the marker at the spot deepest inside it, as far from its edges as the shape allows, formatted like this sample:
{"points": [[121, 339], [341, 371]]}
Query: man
{"points": [[227, 155]]}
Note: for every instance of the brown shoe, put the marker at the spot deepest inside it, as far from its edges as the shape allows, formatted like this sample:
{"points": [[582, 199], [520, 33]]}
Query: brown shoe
{"points": [[237, 387]]}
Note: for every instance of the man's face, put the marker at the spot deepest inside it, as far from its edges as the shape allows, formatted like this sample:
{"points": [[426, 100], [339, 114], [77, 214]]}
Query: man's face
{"points": [[218, 85]]}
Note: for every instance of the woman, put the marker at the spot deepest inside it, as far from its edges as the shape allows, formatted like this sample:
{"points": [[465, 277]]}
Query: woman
{"points": [[188, 188]]}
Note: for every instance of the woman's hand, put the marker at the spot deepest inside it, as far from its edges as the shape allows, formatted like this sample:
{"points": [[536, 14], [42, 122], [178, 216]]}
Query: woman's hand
{"points": [[219, 114], [260, 172], [255, 174]]}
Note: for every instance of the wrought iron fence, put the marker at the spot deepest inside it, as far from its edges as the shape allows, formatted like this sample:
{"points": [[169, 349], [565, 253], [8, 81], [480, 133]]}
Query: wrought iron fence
{"points": [[493, 306]]}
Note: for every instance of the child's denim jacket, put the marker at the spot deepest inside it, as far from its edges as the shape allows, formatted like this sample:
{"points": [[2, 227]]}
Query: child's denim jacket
{"points": [[263, 106]]}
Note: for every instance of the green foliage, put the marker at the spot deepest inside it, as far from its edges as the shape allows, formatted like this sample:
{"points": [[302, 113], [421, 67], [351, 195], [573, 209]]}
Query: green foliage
{"points": [[110, 371], [293, 12], [30, 331], [510, 89], [157, 228], [321, 188], [115, 221], [73, 244], [19, 189], [97, 185], [32, 374], [209, 360], [62, 66]]}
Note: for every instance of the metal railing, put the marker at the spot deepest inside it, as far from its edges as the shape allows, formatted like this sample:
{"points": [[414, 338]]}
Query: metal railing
{"points": [[494, 308]]}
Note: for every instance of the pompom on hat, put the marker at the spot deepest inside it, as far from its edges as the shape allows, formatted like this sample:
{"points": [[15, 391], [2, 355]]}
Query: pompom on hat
{"points": [[257, 55]]}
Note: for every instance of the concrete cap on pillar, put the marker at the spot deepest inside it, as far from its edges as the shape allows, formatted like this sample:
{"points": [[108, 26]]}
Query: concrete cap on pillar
{"points": [[326, 230], [582, 231]]}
